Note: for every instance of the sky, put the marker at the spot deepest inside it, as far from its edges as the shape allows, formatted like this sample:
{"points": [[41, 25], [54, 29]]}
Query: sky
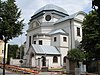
{"points": [[28, 7]]}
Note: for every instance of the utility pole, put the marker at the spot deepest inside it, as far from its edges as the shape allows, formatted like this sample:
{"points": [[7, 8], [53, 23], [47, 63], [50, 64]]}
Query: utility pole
{"points": [[5, 43]]}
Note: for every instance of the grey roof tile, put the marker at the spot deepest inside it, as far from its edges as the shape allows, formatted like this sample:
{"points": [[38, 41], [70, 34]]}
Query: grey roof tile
{"points": [[69, 17], [51, 7], [45, 49]]}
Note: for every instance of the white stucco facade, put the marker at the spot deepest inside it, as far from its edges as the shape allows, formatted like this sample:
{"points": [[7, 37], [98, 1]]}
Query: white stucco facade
{"points": [[52, 30]]}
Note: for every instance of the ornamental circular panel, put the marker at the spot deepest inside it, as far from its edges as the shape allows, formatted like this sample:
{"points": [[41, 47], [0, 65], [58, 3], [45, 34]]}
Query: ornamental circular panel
{"points": [[48, 17]]}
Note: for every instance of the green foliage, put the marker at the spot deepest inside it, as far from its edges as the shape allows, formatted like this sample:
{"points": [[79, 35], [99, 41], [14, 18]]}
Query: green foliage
{"points": [[10, 23], [21, 52], [91, 35], [12, 51], [76, 54]]}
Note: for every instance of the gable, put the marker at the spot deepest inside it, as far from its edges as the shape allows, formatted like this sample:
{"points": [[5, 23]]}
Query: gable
{"points": [[33, 25], [30, 50], [80, 17]]}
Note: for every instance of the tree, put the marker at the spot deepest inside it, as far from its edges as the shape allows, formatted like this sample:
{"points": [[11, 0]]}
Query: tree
{"points": [[10, 25], [12, 51], [91, 35], [76, 55], [20, 53]]}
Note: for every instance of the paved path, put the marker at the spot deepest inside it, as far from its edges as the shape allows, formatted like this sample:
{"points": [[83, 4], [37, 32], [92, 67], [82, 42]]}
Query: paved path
{"points": [[7, 72], [41, 73], [50, 73]]}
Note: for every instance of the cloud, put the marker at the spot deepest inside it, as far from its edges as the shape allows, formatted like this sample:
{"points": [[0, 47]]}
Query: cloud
{"points": [[28, 8]]}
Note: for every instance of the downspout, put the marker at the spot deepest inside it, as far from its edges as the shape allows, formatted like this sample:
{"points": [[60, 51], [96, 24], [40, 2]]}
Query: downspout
{"points": [[70, 34]]}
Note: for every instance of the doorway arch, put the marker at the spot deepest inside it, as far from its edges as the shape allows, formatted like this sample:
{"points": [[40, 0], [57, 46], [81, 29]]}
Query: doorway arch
{"points": [[30, 60], [43, 61]]}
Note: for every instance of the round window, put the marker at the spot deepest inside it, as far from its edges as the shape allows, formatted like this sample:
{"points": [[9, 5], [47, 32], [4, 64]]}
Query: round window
{"points": [[48, 18]]}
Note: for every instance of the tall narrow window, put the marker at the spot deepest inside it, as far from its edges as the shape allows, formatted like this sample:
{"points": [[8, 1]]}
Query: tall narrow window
{"points": [[78, 31], [34, 36], [64, 59], [40, 42], [29, 40], [55, 59], [55, 39], [34, 42], [65, 39]]}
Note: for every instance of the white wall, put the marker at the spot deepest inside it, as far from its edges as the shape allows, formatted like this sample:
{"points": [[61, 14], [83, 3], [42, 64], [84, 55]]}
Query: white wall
{"points": [[63, 43], [80, 17], [31, 33], [57, 42], [70, 26], [64, 52], [33, 63], [66, 25], [78, 39], [46, 30], [15, 62], [45, 39], [50, 61]]}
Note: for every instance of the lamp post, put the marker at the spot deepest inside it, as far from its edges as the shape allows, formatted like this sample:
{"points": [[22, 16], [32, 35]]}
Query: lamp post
{"points": [[5, 42]]}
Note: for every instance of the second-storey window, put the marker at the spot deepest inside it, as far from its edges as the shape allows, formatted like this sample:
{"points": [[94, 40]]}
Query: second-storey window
{"points": [[29, 40], [78, 31], [55, 59], [55, 39], [40, 42], [34, 42], [65, 39]]}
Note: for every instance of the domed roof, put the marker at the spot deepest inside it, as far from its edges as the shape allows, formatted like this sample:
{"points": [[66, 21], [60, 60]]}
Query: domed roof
{"points": [[51, 7]]}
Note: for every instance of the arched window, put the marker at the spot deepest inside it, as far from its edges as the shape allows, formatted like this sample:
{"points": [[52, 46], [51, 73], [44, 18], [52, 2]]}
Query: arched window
{"points": [[31, 55], [55, 59], [64, 59], [43, 61]]}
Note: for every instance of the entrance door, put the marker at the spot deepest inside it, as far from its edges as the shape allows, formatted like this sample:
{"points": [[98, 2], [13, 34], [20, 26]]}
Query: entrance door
{"points": [[43, 61]]}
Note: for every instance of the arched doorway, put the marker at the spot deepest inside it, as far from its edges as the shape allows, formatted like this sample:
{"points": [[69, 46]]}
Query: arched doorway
{"points": [[64, 59], [30, 61], [64, 62], [43, 61]]}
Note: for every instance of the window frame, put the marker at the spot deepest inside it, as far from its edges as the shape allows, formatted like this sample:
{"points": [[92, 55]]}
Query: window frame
{"points": [[55, 39], [29, 41], [64, 39], [34, 42], [48, 17], [78, 31], [64, 59], [55, 59], [40, 42]]}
